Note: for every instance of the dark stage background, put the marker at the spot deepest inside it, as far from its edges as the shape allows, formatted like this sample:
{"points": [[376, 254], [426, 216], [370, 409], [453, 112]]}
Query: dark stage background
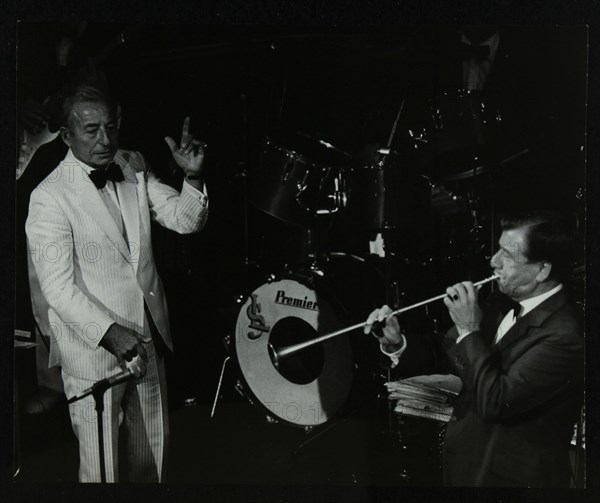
{"points": [[301, 89]]}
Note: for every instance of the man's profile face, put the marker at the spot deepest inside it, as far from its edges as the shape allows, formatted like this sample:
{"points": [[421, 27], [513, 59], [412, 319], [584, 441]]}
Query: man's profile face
{"points": [[92, 133], [517, 275]]}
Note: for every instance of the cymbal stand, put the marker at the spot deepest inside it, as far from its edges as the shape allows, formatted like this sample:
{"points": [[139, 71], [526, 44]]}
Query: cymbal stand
{"points": [[392, 291], [242, 176]]}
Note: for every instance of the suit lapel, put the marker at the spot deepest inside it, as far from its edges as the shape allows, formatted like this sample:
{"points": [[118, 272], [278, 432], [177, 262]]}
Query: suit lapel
{"points": [[91, 202], [534, 318]]}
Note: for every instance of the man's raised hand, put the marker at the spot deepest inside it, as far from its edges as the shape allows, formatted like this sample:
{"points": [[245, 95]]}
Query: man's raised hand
{"points": [[189, 154]]}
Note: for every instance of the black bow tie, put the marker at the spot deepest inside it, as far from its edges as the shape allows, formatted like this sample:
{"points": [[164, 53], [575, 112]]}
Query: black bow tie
{"points": [[516, 307], [99, 176], [474, 51], [505, 305]]}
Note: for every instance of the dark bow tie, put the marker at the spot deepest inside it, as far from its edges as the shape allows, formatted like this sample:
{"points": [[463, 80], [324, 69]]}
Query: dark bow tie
{"points": [[514, 306], [469, 51], [100, 176]]}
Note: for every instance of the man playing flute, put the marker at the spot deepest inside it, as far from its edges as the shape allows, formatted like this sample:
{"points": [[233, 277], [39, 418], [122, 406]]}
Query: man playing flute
{"points": [[520, 360]]}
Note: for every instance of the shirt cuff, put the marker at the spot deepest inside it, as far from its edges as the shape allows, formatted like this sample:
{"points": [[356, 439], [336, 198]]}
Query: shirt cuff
{"points": [[395, 356], [194, 190], [462, 336], [94, 338]]}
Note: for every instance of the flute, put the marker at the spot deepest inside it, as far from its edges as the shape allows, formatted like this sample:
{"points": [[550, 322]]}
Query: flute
{"points": [[287, 350]]}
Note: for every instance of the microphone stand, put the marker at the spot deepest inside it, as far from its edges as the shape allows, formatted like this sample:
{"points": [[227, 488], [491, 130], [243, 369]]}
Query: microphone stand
{"points": [[97, 392]]}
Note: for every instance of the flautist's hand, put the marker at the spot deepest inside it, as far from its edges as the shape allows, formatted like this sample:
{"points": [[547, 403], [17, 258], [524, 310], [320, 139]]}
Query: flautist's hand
{"points": [[385, 328], [463, 306]]}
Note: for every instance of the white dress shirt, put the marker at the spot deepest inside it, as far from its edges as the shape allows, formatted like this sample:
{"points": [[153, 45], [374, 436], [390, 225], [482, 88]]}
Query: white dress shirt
{"points": [[110, 198], [526, 305]]}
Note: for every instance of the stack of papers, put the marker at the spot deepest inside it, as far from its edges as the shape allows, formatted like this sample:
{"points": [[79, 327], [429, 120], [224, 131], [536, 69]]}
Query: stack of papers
{"points": [[429, 396]]}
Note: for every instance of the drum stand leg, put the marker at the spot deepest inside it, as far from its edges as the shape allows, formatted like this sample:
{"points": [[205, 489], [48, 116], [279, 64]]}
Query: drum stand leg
{"points": [[316, 435], [404, 471], [212, 412]]}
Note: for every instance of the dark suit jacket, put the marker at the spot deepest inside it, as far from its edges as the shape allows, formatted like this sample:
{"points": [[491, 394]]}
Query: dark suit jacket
{"points": [[520, 398]]}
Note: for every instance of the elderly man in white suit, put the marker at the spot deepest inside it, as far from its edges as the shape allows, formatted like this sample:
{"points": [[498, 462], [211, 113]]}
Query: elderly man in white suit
{"points": [[95, 283]]}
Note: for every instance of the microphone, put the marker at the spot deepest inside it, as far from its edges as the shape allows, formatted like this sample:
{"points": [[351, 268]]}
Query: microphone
{"points": [[108, 382]]}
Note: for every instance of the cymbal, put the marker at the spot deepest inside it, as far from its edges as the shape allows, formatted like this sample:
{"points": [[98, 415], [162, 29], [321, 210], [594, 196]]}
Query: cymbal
{"points": [[315, 149]]}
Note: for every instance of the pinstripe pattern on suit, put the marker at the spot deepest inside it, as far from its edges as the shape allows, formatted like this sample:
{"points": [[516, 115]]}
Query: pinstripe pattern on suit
{"points": [[86, 272], [138, 410], [90, 277]]}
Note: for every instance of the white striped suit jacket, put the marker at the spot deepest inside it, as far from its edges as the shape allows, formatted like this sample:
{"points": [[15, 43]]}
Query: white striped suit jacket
{"points": [[83, 274]]}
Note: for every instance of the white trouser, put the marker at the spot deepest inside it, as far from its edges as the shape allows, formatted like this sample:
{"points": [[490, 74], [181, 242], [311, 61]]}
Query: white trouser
{"points": [[136, 410]]}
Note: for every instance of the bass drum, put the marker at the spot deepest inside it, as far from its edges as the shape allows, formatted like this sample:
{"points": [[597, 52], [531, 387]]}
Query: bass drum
{"points": [[309, 387]]}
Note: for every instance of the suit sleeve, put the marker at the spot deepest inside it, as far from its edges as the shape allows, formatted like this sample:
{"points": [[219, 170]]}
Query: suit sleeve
{"points": [[51, 248], [545, 369], [184, 212]]}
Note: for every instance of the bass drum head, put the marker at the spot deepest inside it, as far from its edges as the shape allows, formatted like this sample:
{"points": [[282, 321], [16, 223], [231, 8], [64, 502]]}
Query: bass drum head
{"points": [[305, 388]]}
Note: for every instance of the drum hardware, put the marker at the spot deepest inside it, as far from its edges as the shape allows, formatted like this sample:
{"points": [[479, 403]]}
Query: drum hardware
{"points": [[312, 250], [512, 157], [238, 387], [310, 390], [455, 133], [227, 344], [387, 195], [240, 390], [287, 169], [307, 430], [212, 412], [395, 293], [299, 177], [395, 126], [338, 197], [419, 138], [288, 350]]}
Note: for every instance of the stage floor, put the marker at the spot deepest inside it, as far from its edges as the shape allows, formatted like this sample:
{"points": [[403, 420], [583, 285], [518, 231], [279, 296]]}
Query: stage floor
{"points": [[239, 446]]}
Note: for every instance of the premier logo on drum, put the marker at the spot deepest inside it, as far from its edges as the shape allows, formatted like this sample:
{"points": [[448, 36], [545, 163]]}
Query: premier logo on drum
{"points": [[304, 303]]}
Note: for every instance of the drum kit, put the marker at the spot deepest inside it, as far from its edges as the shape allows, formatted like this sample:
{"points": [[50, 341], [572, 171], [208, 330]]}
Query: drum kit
{"points": [[427, 168]]}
